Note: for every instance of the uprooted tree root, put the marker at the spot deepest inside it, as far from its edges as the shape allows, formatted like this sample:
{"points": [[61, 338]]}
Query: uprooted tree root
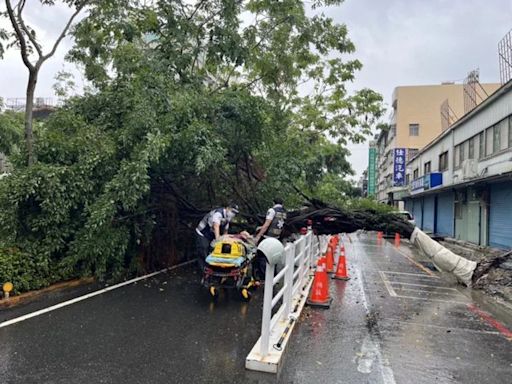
{"points": [[487, 266]]}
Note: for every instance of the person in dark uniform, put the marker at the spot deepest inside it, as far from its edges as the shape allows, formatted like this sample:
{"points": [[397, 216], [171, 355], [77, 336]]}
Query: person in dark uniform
{"points": [[273, 226], [211, 227]]}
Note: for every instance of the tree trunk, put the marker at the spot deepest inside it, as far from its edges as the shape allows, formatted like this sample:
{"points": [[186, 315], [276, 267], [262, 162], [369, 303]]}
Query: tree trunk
{"points": [[29, 106]]}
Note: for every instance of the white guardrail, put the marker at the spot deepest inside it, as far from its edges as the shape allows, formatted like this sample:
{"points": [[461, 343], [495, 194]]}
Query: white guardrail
{"points": [[294, 281]]}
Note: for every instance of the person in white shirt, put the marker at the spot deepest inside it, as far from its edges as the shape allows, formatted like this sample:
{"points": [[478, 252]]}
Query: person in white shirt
{"points": [[273, 226], [211, 227]]}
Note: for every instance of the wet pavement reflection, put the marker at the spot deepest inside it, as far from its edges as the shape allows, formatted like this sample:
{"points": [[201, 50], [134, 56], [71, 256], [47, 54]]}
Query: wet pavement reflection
{"points": [[392, 322]]}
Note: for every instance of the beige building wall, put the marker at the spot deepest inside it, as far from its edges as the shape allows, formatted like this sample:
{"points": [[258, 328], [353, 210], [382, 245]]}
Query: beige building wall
{"points": [[417, 105], [422, 105]]}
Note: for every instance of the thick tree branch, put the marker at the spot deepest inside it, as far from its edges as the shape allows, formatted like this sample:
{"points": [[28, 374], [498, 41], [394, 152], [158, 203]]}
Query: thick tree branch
{"points": [[19, 35], [64, 32], [30, 36]]}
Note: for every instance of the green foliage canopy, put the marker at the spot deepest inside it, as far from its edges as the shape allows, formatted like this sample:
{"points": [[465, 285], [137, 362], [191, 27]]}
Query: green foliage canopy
{"points": [[194, 103]]}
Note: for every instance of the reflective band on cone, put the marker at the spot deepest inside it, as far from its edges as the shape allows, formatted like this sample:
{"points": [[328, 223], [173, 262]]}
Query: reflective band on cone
{"points": [[329, 259], [341, 272]]}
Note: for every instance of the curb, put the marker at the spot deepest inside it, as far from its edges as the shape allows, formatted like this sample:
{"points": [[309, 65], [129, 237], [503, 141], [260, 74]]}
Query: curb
{"points": [[272, 362], [32, 295]]}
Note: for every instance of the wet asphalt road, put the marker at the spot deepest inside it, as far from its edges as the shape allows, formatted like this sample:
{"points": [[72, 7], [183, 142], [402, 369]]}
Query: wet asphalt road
{"points": [[393, 322]]}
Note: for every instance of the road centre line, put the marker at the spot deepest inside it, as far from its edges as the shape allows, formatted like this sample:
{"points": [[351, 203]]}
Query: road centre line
{"points": [[386, 371], [88, 296]]}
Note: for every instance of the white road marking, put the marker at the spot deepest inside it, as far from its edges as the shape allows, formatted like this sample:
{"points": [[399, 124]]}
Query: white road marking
{"points": [[395, 289], [385, 369], [367, 355], [442, 327], [421, 275], [430, 299], [429, 292], [88, 296], [425, 286], [387, 284]]}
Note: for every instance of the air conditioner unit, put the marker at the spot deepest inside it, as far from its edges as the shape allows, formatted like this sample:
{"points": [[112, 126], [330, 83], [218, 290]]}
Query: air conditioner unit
{"points": [[469, 169]]}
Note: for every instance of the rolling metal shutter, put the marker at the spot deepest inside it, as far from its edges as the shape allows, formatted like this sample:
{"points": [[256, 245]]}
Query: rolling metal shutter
{"points": [[417, 212], [429, 213], [444, 225], [500, 218]]}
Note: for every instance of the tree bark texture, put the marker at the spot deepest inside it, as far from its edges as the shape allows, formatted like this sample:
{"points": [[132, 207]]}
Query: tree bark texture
{"points": [[29, 107]]}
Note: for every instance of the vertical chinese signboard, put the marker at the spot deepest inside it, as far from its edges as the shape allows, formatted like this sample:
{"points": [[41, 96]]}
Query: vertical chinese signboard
{"points": [[372, 168], [399, 167]]}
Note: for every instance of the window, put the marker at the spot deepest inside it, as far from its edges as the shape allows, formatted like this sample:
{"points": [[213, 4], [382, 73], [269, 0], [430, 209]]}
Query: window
{"points": [[510, 131], [503, 128], [427, 168], [496, 133], [471, 148], [393, 130], [462, 154], [481, 145], [414, 129], [456, 156], [415, 174], [488, 141], [407, 179], [443, 161], [411, 152]]}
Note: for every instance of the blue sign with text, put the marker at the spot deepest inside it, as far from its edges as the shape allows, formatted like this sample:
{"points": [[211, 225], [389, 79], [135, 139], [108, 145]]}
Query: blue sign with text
{"points": [[399, 167]]}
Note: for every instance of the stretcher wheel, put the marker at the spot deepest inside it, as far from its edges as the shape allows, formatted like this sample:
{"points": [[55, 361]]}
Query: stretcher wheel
{"points": [[214, 293], [245, 294]]}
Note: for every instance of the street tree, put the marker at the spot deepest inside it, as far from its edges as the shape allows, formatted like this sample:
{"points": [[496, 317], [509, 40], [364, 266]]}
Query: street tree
{"points": [[194, 103], [24, 37]]}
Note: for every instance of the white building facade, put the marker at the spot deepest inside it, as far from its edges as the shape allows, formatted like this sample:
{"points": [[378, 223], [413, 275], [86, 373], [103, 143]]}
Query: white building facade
{"points": [[461, 183]]}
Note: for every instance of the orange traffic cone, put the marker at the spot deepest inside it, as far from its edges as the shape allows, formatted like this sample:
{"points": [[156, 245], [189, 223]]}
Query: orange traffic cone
{"points": [[341, 272], [397, 239], [329, 255], [320, 293]]}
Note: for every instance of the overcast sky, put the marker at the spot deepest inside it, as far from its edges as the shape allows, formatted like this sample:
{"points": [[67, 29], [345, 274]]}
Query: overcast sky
{"points": [[400, 42]]}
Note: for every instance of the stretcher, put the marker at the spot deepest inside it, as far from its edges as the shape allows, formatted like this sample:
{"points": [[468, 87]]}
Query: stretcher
{"points": [[228, 266]]}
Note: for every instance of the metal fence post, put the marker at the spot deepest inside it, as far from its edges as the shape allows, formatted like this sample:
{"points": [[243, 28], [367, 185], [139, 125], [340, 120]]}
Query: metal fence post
{"points": [[313, 245], [267, 309], [302, 267], [288, 279]]}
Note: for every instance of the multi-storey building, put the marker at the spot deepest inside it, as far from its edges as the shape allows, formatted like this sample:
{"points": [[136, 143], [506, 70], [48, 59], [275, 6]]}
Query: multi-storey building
{"points": [[414, 122], [461, 182]]}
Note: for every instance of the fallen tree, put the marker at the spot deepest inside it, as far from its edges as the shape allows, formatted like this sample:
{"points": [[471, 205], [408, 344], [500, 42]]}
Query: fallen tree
{"points": [[331, 220]]}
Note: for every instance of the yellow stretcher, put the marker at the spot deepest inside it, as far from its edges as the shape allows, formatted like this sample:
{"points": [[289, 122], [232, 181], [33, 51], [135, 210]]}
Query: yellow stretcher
{"points": [[227, 266]]}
